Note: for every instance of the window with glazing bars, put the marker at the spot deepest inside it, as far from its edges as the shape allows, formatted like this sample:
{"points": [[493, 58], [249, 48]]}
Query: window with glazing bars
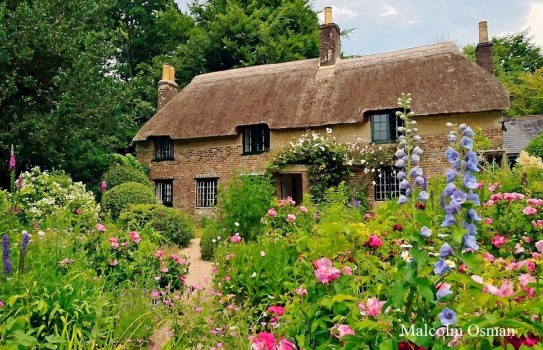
{"points": [[164, 192], [206, 192], [387, 184], [384, 126], [163, 148], [256, 139]]}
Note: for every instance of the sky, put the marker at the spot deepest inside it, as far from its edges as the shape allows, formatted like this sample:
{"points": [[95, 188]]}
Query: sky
{"points": [[388, 25]]}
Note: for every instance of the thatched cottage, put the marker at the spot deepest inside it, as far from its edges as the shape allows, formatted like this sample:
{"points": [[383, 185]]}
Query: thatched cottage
{"points": [[226, 120]]}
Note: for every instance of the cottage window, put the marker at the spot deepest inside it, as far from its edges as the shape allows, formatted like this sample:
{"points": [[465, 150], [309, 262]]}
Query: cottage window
{"points": [[163, 148], [384, 126], [164, 192], [256, 139], [387, 185], [206, 192]]}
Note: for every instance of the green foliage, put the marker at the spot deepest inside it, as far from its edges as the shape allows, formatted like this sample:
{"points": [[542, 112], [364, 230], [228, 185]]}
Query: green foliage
{"points": [[231, 34], [48, 196], [244, 200], [326, 158], [172, 225], [119, 174], [535, 147], [118, 198], [210, 240], [129, 160]]}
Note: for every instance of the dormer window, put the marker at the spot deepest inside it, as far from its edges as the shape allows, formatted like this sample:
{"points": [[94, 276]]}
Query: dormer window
{"points": [[384, 125], [256, 139], [163, 148]]}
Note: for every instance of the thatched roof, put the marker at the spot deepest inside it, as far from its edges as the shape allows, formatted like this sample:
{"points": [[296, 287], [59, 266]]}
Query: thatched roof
{"points": [[301, 95], [520, 131]]}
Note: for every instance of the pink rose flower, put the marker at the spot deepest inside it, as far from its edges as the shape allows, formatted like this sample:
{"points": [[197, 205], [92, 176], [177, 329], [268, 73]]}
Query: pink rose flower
{"points": [[525, 279], [374, 241], [489, 221], [304, 209], [159, 254], [272, 213], [529, 210], [277, 310], [65, 262], [301, 291], [135, 237], [372, 307], [494, 186], [155, 294], [537, 223], [539, 246], [518, 249], [1, 304], [488, 257], [535, 202], [325, 272], [347, 270], [103, 186], [506, 289], [341, 330], [263, 341], [235, 238], [100, 227], [291, 217], [113, 262], [164, 269], [286, 345], [498, 241], [114, 243]]}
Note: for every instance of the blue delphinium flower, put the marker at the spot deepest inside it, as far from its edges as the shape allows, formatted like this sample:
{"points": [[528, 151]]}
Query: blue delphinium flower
{"points": [[459, 197], [404, 184], [470, 181], [449, 189], [473, 215], [453, 208], [5, 254], [24, 243], [448, 221], [452, 137], [423, 196], [468, 132], [450, 175], [400, 175], [400, 153], [419, 180], [470, 242], [466, 142], [402, 199], [425, 232], [445, 250], [474, 198], [447, 317], [472, 229], [416, 171], [452, 155], [441, 267]]}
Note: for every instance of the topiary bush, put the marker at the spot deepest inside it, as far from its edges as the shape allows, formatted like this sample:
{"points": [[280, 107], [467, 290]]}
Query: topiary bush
{"points": [[535, 147], [174, 225], [119, 174], [119, 197]]}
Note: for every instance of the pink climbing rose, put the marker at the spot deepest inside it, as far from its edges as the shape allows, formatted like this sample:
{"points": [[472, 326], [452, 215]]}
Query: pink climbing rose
{"points": [[341, 330], [324, 271], [372, 307], [235, 238], [272, 213], [291, 217], [529, 210], [135, 237], [100, 227], [498, 241]]}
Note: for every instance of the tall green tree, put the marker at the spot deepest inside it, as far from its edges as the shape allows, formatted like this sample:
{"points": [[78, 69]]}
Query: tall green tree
{"points": [[61, 102], [242, 33]]}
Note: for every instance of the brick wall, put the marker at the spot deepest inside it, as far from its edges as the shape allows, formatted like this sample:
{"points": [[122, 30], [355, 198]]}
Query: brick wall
{"points": [[221, 157]]}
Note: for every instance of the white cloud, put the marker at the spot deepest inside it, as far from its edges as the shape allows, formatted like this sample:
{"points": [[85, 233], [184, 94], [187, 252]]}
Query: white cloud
{"points": [[534, 22], [389, 11]]}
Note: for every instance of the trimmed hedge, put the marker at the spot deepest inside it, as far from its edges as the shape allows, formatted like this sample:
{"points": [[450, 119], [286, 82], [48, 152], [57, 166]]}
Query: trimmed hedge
{"points": [[121, 196], [119, 174], [213, 232], [174, 225]]}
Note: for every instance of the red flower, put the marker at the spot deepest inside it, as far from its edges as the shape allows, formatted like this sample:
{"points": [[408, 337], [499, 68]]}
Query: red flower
{"points": [[374, 241], [420, 205], [397, 227], [409, 346]]}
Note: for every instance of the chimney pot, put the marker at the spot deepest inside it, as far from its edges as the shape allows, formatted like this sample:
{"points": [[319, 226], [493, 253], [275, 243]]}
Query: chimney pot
{"points": [[167, 88], [165, 72], [483, 32], [172, 74], [328, 15]]}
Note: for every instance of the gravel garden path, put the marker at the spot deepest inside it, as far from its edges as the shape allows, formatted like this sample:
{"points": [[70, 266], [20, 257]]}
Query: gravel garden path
{"points": [[199, 270]]}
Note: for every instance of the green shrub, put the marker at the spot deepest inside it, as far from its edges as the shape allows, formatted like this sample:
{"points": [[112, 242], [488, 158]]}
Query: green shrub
{"points": [[119, 197], [119, 174], [129, 161], [211, 238], [244, 201], [535, 147], [173, 225], [45, 195]]}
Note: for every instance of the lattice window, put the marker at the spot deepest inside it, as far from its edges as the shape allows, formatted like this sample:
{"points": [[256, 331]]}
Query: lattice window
{"points": [[256, 139], [164, 192], [163, 148], [387, 185], [206, 192], [384, 126]]}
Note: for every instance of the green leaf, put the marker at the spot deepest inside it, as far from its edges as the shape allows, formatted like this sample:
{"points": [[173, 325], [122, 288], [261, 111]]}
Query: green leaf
{"points": [[473, 261], [397, 292], [425, 289]]}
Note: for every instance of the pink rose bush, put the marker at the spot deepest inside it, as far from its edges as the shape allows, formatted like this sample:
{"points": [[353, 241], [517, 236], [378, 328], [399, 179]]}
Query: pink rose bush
{"points": [[324, 271]]}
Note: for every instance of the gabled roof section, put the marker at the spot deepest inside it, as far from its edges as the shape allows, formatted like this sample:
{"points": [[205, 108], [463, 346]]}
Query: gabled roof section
{"points": [[520, 131], [300, 94]]}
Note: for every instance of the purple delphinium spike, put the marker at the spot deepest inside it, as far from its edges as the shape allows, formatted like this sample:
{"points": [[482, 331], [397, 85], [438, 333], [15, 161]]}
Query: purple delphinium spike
{"points": [[24, 243], [5, 254], [445, 250]]}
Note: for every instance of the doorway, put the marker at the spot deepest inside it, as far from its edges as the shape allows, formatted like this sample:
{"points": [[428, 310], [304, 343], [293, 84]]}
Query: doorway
{"points": [[291, 186]]}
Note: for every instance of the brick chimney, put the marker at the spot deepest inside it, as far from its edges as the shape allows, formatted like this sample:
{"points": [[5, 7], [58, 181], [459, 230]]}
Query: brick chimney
{"points": [[167, 88], [330, 45], [484, 49]]}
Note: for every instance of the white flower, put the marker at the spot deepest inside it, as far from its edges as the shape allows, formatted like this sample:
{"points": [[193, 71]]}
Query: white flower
{"points": [[406, 246], [214, 240], [406, 256], [236, 223], [449, 124], [328, 130], [451, 263], [253, 275], [413, 122]]}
